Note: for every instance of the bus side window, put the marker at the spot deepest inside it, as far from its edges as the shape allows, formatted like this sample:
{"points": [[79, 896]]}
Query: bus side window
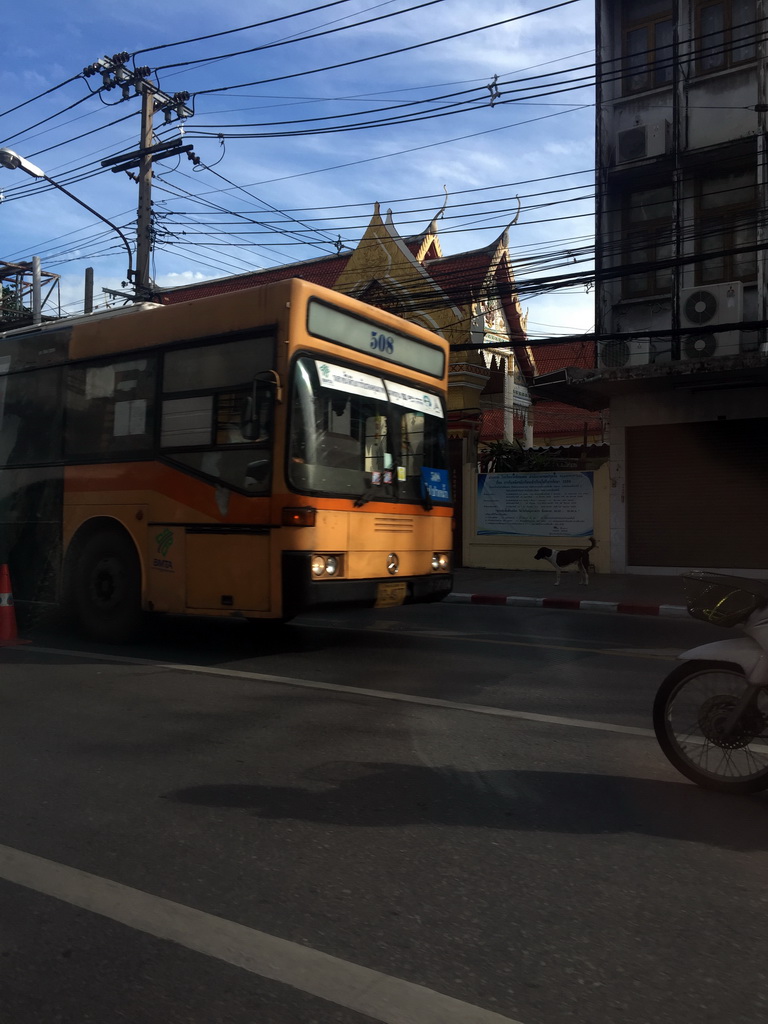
{"points": [[257, 412], [110, 407], [31, 421], [230, 416]]}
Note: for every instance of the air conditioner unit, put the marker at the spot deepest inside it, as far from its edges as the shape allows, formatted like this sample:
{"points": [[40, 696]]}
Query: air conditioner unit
{"points": [[618, 352], [705, 309], [643, 141]]}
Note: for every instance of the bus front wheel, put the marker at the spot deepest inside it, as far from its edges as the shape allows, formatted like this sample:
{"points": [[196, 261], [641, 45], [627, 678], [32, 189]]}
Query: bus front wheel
{"points": [[106, 587]]}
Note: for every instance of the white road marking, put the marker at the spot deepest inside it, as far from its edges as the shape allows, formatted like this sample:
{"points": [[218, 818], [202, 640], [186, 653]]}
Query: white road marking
{"points": [[357, 691], [357, 988]]}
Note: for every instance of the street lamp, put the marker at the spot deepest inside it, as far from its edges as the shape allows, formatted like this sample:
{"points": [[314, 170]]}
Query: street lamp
{"points": [[14, 162]]}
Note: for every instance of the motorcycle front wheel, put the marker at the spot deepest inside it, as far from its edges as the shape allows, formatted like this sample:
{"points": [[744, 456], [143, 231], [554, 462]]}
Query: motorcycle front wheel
{"points": [[691, 716]]}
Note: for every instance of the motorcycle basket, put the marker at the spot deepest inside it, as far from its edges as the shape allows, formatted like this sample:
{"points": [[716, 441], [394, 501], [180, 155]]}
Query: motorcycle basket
{"points": [[723, 600]]}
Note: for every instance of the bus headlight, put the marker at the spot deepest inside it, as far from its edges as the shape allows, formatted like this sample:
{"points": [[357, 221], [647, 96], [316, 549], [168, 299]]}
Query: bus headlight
{"points": [[440, 561], [325, 565]]}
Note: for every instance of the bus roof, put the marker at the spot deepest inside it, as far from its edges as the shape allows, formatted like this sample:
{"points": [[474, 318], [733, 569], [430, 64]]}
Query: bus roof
{"points": [[73, 321]]}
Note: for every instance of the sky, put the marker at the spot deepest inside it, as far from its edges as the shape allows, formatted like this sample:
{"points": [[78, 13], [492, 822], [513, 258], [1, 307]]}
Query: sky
{"points": [[305, 115]]}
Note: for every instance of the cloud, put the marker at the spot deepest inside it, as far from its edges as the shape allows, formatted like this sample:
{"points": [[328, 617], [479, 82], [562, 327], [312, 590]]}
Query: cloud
{"points": [[178, 278]]}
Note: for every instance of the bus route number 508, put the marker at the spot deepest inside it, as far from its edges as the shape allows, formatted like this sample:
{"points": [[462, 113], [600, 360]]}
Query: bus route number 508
{"points": [[382, 343]]}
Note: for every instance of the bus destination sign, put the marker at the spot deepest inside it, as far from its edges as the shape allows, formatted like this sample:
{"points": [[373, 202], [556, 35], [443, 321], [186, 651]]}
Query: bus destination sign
{"points": [[331, 324]]}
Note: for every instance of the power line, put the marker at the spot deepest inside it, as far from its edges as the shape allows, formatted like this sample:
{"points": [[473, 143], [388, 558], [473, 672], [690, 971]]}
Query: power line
{"points": [[606, 64], [39, 96], [388, 53], [302, 38], [242, 28]]}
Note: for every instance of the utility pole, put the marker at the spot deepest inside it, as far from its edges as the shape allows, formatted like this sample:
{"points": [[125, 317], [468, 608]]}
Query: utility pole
{"points": [[144, 217], [172, 107], [115, 75]]}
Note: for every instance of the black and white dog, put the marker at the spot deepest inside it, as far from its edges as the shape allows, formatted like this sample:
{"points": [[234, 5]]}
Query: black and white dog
{"points": [[568, 556]]}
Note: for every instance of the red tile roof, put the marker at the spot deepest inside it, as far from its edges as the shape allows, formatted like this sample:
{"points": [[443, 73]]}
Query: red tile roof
{"points": [[492, 425], [415, 243], [324, 271], [550, 419], [460, 276], [555, 419], [552, 357]]}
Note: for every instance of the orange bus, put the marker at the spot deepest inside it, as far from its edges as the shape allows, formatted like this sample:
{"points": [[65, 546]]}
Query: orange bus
{"points": [[256, 454]]}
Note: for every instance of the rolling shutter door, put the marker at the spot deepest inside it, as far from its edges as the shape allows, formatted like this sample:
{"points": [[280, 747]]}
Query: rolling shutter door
{"points": [[697, 494]]}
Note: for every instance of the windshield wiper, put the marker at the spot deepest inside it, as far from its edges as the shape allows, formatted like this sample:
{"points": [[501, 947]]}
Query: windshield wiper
{"points": [[364, 498], [375, 491]]}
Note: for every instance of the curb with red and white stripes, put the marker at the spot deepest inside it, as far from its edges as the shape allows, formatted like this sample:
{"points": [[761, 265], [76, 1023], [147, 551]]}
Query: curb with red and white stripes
{"points": [[571, 604]]}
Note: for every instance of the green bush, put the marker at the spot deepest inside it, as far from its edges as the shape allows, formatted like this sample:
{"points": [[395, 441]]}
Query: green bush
{"points": [[511, 457]]}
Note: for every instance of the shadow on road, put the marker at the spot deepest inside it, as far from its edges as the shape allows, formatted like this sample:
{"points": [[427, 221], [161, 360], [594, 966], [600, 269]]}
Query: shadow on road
{"points": [[387, 795], [201, 640]]}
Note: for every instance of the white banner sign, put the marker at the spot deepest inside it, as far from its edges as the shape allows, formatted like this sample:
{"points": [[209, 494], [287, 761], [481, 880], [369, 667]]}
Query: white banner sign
{"points": [[353, 382], [535, 504], [410, 398], [339, 378]]}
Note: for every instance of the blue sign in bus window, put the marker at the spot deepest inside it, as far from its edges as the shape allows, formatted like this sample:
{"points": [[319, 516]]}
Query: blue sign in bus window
{"points": [[434, 482]]}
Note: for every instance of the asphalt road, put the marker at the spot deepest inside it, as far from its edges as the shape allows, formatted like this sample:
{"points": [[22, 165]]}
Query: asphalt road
{"points": [[445, 815]]}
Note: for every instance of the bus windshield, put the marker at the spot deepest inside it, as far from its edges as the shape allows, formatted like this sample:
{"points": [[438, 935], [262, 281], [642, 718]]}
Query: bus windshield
{"points": [[365, 436]]}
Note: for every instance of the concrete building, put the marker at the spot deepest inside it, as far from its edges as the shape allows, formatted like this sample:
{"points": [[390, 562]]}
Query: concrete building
{"points": [[681, 302]]}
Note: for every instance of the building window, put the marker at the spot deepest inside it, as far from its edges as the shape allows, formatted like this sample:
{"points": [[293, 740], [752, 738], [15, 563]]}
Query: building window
{"points": [[648, 56], [648, 239], [726, 33], [726, 227]]}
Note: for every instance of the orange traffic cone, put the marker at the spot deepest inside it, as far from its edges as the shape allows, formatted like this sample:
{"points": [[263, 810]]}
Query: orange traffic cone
{"points": [[8, 632]]}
